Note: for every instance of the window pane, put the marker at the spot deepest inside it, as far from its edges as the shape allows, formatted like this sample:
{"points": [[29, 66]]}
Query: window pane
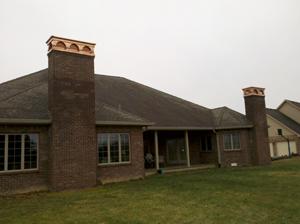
{"points": [[203, 144], [114, 148], [227, 141], [14, 152], [208, 142], [2, 151], [102, 148], [30, 151], [124, 147], [236, 141]]}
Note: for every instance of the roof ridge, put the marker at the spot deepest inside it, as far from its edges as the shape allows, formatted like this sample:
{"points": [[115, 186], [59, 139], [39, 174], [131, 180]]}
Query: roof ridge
{"points": [[221, 115], [123, 111], [23, 91], [232, 113]]}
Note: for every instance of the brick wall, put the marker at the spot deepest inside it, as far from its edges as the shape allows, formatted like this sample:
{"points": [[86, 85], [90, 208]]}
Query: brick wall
{"points": [[259, 138], [122, 172], [197, 156], [25, 181], [73, 156], [242, 157]]}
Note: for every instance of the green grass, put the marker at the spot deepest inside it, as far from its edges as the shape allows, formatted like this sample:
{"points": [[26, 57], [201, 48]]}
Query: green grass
{"points": [[269, 194]]}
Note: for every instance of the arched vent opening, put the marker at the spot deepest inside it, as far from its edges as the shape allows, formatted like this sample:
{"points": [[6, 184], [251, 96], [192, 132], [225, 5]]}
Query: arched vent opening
{"points": [[49, 47], [87, 49], [61, 45], [74, 47]]}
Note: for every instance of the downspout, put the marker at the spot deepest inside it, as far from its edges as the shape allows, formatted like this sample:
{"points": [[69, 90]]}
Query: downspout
{"points": [[219, 157]]}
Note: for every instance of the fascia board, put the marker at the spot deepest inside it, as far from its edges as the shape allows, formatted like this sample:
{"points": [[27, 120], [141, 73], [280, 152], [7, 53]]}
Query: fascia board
{"points": [[124, 123], [197, 128], [25, 121]]}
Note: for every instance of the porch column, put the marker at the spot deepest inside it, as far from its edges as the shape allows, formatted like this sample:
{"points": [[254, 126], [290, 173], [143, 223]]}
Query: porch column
{"points": [[156, 151], [186, 135]]}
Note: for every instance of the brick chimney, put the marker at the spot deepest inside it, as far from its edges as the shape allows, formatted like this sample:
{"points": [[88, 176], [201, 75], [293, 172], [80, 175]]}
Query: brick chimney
{"points": [[256, 113], [71, 99]]}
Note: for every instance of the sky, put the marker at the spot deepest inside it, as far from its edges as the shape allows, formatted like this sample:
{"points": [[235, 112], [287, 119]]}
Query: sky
{"points": [[202, 51]]}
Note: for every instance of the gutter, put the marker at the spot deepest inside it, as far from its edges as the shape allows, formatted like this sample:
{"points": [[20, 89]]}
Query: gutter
{"points": [[25, 121], [197, 128], [124, 123]]}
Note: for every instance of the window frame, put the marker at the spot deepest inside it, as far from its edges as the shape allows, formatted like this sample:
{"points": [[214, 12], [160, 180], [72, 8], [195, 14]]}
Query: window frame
{"points": [[231, 142], [6, 141], [206, 145], [119, 149]]}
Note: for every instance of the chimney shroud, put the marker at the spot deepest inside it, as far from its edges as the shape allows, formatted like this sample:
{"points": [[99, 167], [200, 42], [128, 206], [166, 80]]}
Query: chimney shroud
{"points": [[71, 99], [256, 112]]}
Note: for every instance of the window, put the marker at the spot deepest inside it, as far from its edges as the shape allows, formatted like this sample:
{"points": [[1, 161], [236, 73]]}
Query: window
{"points": [[113, 148], [18, 152], [206, 143], [232, 142]]}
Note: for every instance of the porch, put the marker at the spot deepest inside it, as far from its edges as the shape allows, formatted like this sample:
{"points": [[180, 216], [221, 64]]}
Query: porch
{"points": [[175, 151]]}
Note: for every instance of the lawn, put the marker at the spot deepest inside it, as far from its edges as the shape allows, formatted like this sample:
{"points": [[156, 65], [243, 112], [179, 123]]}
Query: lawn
{"points": [[269, 194]]}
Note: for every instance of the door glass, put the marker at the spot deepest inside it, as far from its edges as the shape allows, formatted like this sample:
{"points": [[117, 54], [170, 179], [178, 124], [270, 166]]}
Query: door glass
{"points": [[181, 148], [172, 150]]}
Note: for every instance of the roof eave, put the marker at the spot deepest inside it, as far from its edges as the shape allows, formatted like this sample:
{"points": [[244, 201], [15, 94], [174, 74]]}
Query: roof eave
{"points": [[26, 121], [124, 123], [235, 127], [197, 128]]}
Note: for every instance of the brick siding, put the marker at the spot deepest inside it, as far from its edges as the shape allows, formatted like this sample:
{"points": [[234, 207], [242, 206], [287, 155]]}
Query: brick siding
{"points": [[73, 156], [127, 171], [259, 138], [241, 157], [25, 181]]}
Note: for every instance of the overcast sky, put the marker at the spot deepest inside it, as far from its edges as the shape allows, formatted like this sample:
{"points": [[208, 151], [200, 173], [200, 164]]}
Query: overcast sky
{"points": [[204, 51]]}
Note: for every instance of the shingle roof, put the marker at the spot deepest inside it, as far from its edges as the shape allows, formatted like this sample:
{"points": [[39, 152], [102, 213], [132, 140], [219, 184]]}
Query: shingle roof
{"points": [[285, 120], [108, 113], [294, 103], [225, 117], [163, 109], [25, 97], [117, 100]]}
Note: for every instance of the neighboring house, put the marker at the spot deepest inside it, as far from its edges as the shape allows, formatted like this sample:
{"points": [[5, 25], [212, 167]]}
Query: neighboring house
{"points": [[66, 128], [287, 118]]}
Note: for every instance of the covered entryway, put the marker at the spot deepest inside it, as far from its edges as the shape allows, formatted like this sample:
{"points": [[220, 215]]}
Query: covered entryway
{"points": [[179, 149]]}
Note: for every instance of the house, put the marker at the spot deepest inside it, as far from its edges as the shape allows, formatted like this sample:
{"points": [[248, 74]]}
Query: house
{"points": [[66, 128], [287, 118]]}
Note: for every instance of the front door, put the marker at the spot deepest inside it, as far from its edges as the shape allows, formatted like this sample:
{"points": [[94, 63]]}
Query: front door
{"points": [[176, 151]]}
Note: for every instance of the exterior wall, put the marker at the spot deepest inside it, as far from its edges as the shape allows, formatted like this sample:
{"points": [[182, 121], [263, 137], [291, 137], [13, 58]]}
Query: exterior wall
{"points": [[290, 111], [241, 157], [73, 157], [127, 171], [25, 181], [259, 139], [197, 156], [274, 126]]}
